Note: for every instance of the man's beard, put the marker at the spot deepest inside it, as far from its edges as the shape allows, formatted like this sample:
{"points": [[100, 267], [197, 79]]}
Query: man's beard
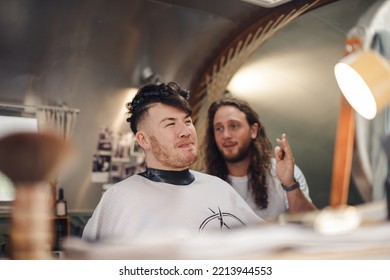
{"points": [[242, 153], [171, 158]]}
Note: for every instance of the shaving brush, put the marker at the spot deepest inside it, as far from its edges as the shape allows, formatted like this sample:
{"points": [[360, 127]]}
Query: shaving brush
{"points": [[32, 162]]}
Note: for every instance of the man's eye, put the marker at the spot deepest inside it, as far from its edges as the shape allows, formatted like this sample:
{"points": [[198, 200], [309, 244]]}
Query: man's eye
{"points": [[170, 124]]}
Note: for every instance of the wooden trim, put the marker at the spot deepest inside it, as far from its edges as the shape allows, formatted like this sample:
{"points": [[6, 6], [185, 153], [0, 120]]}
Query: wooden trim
{"points": [[263, 25], [343, 153]]}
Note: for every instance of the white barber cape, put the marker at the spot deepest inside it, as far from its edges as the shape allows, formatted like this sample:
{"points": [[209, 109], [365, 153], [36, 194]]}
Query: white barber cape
{"points": [[138, 206]]}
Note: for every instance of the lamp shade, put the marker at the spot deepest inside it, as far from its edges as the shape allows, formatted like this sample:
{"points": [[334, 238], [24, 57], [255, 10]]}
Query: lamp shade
{"points": [[364, 79]]}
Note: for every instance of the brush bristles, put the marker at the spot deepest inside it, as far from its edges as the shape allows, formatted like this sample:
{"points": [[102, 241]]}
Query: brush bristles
{"points": [[31, 157]]}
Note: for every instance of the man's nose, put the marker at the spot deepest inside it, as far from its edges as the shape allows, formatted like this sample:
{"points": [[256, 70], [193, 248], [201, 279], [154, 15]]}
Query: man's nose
{"points": [[184, 130], [226, 134]]}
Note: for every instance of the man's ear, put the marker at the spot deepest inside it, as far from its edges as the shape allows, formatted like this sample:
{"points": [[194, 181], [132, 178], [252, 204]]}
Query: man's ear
{"points": [[254, 130], [142, 140]]}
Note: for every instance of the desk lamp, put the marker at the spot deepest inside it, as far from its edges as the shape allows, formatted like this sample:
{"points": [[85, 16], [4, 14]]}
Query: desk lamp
{"points": [[364, 76]]}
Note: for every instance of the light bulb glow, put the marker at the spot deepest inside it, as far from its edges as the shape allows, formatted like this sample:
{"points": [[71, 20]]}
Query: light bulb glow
{"points": [[355, 90]]}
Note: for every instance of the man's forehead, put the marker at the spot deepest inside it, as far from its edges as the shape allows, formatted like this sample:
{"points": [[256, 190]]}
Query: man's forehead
{"points": [[160, 111], [227, 112]]}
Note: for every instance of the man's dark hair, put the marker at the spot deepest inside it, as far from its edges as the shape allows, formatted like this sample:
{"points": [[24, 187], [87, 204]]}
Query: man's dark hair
{"points": [[260, 151], [169, 94]]}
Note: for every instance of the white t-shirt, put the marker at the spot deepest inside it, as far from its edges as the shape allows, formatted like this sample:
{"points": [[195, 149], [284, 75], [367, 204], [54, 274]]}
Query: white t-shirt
{"points": [[277, 197], [137, 206]]}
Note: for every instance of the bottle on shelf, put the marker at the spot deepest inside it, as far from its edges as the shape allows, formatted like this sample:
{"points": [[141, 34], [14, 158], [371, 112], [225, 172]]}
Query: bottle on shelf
{"points": [[61, 207]]}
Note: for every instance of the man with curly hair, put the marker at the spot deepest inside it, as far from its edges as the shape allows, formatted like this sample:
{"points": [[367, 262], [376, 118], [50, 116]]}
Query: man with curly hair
{"points": [[168, 197], [238, 151]]}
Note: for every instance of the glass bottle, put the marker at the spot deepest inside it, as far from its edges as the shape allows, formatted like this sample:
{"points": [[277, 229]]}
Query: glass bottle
{"points": [[61, 207]]}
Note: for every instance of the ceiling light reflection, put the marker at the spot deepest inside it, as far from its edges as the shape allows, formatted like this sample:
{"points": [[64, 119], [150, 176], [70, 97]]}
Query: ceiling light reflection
{"points": [[120, 120]]}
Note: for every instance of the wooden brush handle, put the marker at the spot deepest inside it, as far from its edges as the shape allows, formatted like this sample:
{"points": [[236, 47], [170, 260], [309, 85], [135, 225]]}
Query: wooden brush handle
{"points": [[31, 228]]}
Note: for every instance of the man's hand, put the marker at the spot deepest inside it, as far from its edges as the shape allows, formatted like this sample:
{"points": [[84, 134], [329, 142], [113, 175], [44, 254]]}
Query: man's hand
{"points": [[284, 162]]}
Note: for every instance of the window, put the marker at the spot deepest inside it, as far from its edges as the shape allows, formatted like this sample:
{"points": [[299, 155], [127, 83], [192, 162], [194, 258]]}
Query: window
{"points": [[11, 124], [8, 125]]}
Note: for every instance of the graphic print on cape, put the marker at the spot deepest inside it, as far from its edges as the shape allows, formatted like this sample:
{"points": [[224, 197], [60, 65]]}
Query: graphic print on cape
{"points": [[225, 220]]}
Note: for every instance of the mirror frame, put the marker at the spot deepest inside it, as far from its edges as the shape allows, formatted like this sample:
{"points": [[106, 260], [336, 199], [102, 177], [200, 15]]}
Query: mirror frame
{"points": [[213, 80]]}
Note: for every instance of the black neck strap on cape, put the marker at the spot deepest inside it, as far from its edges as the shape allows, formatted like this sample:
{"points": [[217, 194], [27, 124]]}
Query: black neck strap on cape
{"points": [[183, 177]]}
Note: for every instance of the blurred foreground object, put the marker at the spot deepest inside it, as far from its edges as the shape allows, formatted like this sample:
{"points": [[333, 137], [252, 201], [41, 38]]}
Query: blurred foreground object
{"points": [[32, 161], [316, 235]]}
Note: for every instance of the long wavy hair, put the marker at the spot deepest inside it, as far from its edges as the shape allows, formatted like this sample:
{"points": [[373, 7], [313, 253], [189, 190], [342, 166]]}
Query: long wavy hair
{"points": [[260, 151]]}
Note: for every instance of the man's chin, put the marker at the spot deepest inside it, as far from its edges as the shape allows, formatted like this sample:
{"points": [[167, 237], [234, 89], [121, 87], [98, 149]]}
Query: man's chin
{"points": [[189, 159], [229, 157], [192, 159], [233, 158]]}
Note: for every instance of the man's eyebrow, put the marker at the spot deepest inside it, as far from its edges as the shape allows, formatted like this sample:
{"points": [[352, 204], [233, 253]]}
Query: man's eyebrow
{"points": [[174, 119], [168, 119]]}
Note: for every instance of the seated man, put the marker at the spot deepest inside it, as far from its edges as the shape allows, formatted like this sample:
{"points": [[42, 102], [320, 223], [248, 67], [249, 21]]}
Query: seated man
{"points": [[168, 196], [239, 152]]}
